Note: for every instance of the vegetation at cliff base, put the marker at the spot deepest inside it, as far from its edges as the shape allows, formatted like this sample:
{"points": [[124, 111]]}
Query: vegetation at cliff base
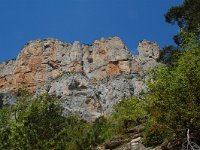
{"points": [[38, 124]]}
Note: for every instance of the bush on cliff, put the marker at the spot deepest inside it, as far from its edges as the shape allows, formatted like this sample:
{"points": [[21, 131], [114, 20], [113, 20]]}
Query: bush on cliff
{"points": [[174, 98], [128, 113]]}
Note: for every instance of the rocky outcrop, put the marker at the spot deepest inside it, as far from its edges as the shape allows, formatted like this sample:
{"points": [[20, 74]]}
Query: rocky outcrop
{"points": [[130, 139], [88, 79], [6, 74]]}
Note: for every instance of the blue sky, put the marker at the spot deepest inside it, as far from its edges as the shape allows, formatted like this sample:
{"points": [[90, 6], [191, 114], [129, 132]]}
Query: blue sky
{"points": [[84, 21]]}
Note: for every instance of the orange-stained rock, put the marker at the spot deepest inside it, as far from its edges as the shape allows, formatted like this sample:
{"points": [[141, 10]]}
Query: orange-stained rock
{"points": [[98, 58], [42, 61], [112, 68], [88, 79]]}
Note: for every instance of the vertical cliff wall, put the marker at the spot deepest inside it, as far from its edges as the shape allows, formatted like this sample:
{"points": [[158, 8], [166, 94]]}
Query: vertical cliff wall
{"points": [[88, 79]]}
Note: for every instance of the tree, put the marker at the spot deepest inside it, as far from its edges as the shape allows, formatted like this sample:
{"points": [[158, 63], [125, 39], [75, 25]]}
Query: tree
{"points": [[174, 98], [169, 55], [186, 16], [4, 128], [129, 113], [38, 123]]}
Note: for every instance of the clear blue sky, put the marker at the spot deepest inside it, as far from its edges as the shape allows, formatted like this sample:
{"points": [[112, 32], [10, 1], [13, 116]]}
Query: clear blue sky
{"points": [[83, 20]]}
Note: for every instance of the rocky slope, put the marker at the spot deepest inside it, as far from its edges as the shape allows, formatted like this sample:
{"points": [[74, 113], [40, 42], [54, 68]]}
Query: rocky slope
{"points": [[88, 79]]}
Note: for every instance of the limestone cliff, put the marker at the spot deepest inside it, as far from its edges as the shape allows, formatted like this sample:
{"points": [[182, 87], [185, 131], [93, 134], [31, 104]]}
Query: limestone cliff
{"points": [[88, 79]]}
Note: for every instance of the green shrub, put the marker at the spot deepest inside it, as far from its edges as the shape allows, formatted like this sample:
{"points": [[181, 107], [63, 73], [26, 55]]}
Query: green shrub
{"points": [[38, 123], [174, 98], [129, 113]]}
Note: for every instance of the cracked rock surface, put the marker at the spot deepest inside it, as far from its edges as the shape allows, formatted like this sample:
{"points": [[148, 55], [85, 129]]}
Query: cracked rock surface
{"points": [[87, 79]]}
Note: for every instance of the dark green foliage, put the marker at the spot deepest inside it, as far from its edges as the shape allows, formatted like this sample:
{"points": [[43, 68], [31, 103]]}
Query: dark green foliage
{"points": [[1, 101], [169, 55], [4, 128], [129, 113], [38, 124], [32, 124], [187, 17], [99, 131]]}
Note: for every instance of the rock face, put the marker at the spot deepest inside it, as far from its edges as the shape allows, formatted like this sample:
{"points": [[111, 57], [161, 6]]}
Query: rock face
{"points": [[88, 79]]}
